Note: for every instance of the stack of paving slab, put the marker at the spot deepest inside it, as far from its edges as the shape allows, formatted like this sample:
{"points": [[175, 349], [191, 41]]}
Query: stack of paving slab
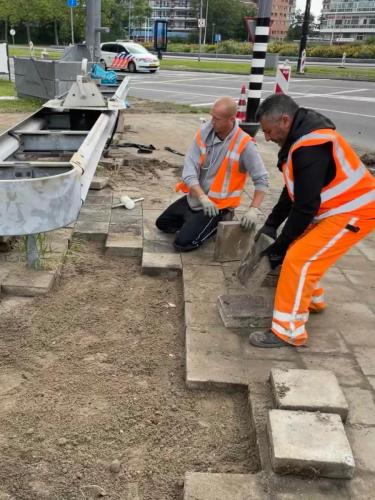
{"points": [[306, 431]]}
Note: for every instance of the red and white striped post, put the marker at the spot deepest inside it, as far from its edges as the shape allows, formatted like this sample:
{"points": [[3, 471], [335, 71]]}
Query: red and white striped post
{"points": [[303, 61], [241, 110], [282, 78]]}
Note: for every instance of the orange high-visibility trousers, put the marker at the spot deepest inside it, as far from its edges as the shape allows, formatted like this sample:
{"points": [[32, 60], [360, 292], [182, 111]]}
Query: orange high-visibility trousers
{"points": [[307, 259]]}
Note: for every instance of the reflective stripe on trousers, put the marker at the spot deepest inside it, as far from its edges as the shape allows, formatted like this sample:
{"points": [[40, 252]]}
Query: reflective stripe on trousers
{"points": [[306, 261]]}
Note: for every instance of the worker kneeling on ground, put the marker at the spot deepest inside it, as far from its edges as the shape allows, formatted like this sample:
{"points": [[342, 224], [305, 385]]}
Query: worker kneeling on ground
{"points": [[213, 177], [329, 205]]}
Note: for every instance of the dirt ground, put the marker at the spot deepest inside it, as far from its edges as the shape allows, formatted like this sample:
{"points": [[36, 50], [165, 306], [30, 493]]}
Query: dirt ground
{"points": [[92, 394]]}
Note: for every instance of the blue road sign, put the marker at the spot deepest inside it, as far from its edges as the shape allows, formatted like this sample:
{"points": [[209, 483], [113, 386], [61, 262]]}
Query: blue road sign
{"points": [[71, 3], [217, 37]]}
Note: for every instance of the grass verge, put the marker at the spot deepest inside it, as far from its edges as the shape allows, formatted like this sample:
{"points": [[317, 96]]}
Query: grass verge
{"points": [[24, 52], [16, 106], [241, 68]]}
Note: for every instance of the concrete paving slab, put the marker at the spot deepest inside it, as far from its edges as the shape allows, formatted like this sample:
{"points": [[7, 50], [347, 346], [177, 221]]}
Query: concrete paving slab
{"points": [[309, 444], [133, 225], [366, 359], [353, 262], [232, 241], [123, 245], [91, 231], [121, 214], [344, 367], [99, 182], [200, 314], [165, 264], [205, 292], [309, 390], [204, 486], [362, 441], [28, 283], [151, 232], [159, 247], [371, 381], [207, 274], [203, 256], [361, 406], [323, 340], [9, 304], [217, 356], [367, 248], [90, 214], [241, 311]]}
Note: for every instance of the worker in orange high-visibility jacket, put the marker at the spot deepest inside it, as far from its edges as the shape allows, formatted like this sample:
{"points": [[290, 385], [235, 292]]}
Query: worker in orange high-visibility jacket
{"points": [[328, 203], [215, 171]]}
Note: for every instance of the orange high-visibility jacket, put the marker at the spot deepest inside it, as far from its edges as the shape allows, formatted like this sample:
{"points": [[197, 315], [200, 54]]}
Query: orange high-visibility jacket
{"points": [[353, 187], [228, 184]]}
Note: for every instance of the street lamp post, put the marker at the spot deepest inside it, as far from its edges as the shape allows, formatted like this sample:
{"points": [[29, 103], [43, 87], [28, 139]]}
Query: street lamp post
{"points": [[305, 30], [200, 30], [213, 33]]}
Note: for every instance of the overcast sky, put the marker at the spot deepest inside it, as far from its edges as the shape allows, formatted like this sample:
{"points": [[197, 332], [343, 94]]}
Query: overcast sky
{"points": [[316, 6]]}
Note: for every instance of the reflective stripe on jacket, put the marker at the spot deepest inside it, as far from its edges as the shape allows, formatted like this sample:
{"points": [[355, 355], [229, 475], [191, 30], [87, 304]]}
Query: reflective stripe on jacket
{"points": [[353, 187], [228, 184]]}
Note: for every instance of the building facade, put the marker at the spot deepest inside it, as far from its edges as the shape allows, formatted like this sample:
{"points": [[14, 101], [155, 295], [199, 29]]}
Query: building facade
{"points": [[347, 21], [282, 14], [182, 19]]}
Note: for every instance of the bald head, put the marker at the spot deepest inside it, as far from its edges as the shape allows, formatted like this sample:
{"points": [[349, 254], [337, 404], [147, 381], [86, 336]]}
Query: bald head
{"points": [[223, 116], [226, 106]]}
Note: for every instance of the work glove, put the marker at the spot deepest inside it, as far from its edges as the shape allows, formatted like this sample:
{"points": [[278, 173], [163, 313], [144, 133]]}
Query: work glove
{"points": [[274, 255], [209, 207], [268, 230], [249, 219]]}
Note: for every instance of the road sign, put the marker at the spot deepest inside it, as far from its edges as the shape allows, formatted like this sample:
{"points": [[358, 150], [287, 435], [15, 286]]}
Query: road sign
{"points": [[71, 3], [201, 23], [217, 37], [12, 32]]}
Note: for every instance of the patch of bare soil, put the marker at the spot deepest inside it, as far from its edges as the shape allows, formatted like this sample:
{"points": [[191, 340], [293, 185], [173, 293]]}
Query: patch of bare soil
{"points": [[92, 391]]}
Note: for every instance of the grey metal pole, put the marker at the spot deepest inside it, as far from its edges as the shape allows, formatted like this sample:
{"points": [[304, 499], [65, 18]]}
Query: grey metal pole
{"points": [[200, 31], [205, 27], [305, 30], [262, 29], [90, 27], [32, 252], [98, 24], [72, 24]]}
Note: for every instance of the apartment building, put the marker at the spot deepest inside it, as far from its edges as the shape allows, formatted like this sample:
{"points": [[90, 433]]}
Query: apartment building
{"points": [[282, 14], [182, 19], [347, 21]]}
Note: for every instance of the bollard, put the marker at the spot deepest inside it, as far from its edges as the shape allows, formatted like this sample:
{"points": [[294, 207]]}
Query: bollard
{"points": [[303, 61], [343, 60], [282, 78]]}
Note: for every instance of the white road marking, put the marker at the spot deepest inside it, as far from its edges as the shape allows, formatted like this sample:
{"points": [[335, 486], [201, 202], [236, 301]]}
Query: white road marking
{"points": [[332, 96], [347, 91], [202, 104], [176, 92], [343, 112]]}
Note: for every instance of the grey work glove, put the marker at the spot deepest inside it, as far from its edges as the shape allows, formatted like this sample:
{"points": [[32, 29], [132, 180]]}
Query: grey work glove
{"points": [[268, 230], [249, 219], [209, 207]]}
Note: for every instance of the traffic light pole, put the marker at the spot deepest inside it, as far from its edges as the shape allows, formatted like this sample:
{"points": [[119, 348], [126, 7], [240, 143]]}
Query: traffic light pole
{"points": [[305, 31], [262, 29]]}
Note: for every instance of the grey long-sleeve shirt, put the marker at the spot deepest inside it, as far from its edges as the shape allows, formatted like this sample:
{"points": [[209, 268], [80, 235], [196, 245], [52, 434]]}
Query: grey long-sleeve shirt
{"points": [[193, 174]]}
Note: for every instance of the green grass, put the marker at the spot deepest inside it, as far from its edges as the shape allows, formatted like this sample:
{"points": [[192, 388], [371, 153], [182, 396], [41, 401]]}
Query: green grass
{"points": [[241, 68], [24, 52], [20, 105]]}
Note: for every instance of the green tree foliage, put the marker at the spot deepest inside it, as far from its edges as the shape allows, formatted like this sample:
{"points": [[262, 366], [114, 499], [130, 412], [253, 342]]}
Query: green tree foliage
{"points": [[295, 28]]}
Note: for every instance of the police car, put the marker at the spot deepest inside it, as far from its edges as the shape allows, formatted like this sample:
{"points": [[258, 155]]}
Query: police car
{"points": [[131, 56]]}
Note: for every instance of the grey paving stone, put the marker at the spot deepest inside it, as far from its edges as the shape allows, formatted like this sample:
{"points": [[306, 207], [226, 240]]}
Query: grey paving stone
{"points": [[232, 242], [159, 247], [323, 340], [366, 359], [204, 486], [345, 368], [99, 183], [362, 441], [207, 274], [202, 291], [217, 356], [28, 283], [309, 443], [361, 406], [92, 231], [353, 262], [200, 314], [121, 214], [165, 264], [362, 486], [133, 225], [372, 382], [367, 248], [123, 244], [309, 390], [239, 311], [87, 215], [253, 268]]}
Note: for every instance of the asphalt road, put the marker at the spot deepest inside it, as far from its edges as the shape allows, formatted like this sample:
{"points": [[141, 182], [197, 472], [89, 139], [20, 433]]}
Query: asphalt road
{"points": [[349, 104]]}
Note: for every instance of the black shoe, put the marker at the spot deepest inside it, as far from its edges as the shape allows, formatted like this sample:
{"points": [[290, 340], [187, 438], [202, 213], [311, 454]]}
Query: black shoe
{"points": [[266, 339]]}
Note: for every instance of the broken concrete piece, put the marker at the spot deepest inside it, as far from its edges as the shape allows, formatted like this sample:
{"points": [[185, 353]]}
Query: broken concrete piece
{"points": [[309, 390], [98, 183], [253, 268], [232, 241], [309, 444], [241, 311]]}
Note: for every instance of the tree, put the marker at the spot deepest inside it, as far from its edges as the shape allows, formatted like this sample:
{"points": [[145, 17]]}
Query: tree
{"points": [[295, 28]]}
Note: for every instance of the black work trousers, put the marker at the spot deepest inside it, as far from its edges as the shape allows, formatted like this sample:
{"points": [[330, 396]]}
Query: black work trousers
{"points": [[192, 226]]}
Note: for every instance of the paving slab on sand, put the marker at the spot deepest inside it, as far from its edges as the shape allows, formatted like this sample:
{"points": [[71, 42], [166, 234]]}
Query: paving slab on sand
{"points": [[204, 486], [216, 355], [309, 390], [28, 283], [309, 443], [239, 311], [164, 264], [123, 244]]}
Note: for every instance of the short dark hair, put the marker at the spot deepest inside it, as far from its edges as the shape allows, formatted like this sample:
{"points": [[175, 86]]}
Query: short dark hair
{"points": [[276, 105]]}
